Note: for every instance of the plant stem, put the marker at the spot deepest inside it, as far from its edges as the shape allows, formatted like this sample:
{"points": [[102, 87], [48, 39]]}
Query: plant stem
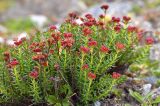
{"points": [[82, 62], [107, 91], [100, 61], [35, 90], [88, 90], [91, 61], [65, 59]]}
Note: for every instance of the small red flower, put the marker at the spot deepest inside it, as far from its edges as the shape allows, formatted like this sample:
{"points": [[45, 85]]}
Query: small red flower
{"points": [[92, 43], [36, 50], [17, 43], [67, 42], [116, 75], [116, 20], [52, 27], [91, 76], [51, 51], [104, 49], [131, 28], [45, 63], [126, 19], [84, 49], [72, 15], [6, 54], [56, 66], [88, 23], [101, 16], [88, 16], [87, 31], [14, 62], [68, 35], [149, 40], [85, 67], [120, 46], [117, 28], [34, 74], [39, 57], [139, 35], [104, 6]]}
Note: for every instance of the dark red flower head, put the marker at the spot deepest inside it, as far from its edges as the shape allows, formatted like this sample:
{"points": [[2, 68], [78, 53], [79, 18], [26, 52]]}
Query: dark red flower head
{"points": [[104, 7], [34, 74], [57, 67], [91, 76], [131, 28], [117, 28], [104, 49], [116, 75], [92, 43], [87, 31], [39, 57], [36, 50], [14, 62], [67, 42], [84, 49], [101, 16], [85, 67], [68, 35], [89, 16], [116, 20], [44, 63], [6, 54], [120, 46], [72, 15], [149, 40], [17, 43], [126, 19], [52, 27], [88, 23]]}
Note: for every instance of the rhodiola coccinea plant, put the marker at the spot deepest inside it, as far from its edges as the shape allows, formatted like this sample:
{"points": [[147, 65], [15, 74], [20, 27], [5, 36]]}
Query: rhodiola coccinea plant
{"points": [[76, 64]]}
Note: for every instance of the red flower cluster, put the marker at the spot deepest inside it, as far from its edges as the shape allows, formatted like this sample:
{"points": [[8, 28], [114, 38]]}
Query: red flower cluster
{"points": [[87, 31], [126, 19], [104, 49], [56, 36], [52, 27], [101, 16], [89, 16], [91, 76], [116, 75], [84, 49], [104, 6], [36, 50], [131, 28], [85, 67], [149, 40], [67, 42], [39, 57], [18, 42], [68, 35], [116, 20], [72, 15], [92, 43], [14, 62], [57, 67], [34, 74], [117, 28], [120, 46], [6, 56]]}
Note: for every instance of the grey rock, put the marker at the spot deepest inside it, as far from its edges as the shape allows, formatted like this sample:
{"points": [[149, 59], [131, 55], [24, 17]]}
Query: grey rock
{"points": [[97, 103], [146, 88]]}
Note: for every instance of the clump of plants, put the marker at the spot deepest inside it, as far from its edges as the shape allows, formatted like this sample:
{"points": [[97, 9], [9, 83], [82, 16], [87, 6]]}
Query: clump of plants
{"points": [[76, 64]]}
